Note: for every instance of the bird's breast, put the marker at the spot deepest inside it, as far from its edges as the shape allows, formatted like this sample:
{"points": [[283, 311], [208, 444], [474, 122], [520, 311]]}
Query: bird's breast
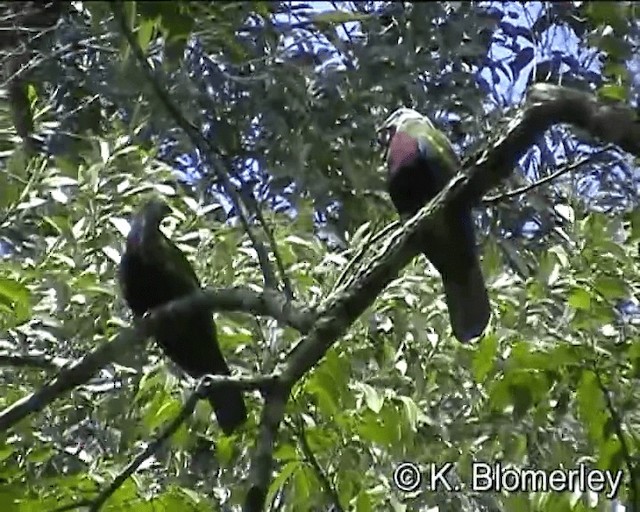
{"points": [[148, 285]]}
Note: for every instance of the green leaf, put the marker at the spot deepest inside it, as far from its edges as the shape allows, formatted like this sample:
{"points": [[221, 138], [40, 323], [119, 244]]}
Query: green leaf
{"points": [[225, 446], [522, 399], [611, 455], [40, 454], [382, 428], [607, 13], [635, 223], [167, 411], [412, 411], [613, 92], [6, 451], [484, 357], [591, 408], [9, 190], [561, 255], [296, 240], [363, 502], [305, 484], [611, 287], [373, 399], [328, 383], [285, 452], [146, 30], [149, 383], [616, 71], [14, 301], [580, 299], [285, 473]]}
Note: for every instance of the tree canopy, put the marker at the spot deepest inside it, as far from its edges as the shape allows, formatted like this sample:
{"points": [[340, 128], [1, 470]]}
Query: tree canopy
{"points": [[256, 121]]}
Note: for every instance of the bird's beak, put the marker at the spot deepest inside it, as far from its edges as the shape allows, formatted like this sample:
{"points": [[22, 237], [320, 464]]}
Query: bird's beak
{"points": [[382, 127], [383, 135]]}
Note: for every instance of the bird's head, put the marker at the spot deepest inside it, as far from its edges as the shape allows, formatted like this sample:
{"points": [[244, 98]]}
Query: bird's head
{"points": [[154, 210], [396, 121], [146, 221]]}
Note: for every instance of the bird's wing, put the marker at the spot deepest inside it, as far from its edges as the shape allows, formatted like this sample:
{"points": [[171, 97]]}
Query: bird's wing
{"points": [[176, 263], [426, 133]]}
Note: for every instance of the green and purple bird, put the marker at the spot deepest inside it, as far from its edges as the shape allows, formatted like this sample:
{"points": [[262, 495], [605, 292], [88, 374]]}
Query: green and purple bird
{"points": [[152, 272], [421, 161]]}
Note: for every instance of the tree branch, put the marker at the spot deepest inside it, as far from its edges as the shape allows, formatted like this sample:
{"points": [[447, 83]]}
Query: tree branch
{"points": [[39, 361], [69, 378], [204, 384], [79, 373], [286, 283], [151, 448], [267, 303], [634, 485], [263, 382], [546, 105], [205, 147], [547, 179], [261, 463]]}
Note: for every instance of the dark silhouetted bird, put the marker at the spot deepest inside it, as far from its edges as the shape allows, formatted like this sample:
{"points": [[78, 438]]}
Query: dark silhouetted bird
{"points": [[421, 162], [152, 272]]}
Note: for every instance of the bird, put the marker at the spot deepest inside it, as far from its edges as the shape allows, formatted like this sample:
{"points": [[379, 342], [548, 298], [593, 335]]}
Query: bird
{"points": [[154, 271], [420, 162]]}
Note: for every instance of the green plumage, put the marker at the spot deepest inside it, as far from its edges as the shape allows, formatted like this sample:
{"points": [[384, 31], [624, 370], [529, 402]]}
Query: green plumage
{"points": [[437, 141], [421, 161]]}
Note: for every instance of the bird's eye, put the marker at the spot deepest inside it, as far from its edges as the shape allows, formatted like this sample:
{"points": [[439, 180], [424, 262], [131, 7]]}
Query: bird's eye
{"points": [[384, 135]]}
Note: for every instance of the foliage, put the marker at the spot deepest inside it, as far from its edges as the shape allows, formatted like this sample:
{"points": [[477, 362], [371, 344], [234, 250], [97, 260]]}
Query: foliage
{"points": [[290, 97]]}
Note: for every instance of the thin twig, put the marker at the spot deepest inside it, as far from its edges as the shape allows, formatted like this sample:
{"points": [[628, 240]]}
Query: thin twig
{"points": [[634, 484], [298, 429], [39, 361], [205, 383], [151, 448], [286, 283], [563, 170], [41, 57], [205, 146], [69, 378]]}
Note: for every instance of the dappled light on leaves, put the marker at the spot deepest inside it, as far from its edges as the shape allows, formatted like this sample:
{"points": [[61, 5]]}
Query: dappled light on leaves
{"points": [[256, 122]]}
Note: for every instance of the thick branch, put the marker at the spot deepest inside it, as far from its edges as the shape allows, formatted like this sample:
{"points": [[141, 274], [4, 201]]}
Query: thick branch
{"points": [[546, 105], [268, 303], [77, 374], [261, 463]]}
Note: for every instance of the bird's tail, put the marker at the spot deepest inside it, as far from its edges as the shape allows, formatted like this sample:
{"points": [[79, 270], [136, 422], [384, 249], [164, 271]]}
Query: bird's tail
{"points": [[467, 301], [229, 408]]}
